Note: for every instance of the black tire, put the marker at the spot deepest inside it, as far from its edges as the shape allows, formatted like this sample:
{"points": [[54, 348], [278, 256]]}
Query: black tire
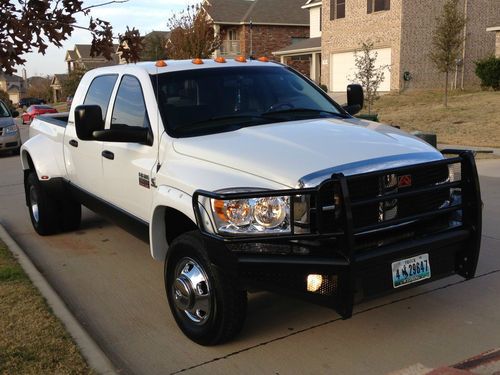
{"points": [[43, 209], [226, 307]]}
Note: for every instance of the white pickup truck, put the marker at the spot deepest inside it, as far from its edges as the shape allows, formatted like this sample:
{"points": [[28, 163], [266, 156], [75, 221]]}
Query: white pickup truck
{"points": [[245, 175]]}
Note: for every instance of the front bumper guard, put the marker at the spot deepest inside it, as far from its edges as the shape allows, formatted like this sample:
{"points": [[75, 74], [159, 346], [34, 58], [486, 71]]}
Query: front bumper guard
{"points": [[357, 274]]}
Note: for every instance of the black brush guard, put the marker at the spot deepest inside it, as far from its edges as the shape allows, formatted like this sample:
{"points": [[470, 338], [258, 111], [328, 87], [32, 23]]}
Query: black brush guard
{"points": [[332, 247]]}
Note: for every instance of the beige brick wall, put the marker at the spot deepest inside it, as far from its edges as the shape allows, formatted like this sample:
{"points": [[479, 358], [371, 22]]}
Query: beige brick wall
{"points": [[407, 28], [419, 20], [347, 34]]}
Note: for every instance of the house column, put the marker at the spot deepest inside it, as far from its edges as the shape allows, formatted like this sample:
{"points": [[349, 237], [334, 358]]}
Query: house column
{"points": [[217, 34], [313, 70], [282, 59]]}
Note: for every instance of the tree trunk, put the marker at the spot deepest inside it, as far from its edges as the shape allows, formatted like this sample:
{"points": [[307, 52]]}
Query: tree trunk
{"points": [[446, 90]]}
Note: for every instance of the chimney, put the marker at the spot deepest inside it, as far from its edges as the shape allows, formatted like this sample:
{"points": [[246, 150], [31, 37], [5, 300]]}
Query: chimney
{"points": [[24, 74]]}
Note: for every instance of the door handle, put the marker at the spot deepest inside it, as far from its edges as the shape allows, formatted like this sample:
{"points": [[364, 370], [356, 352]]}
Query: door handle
{"points": [[108, 155], [73, 143]]}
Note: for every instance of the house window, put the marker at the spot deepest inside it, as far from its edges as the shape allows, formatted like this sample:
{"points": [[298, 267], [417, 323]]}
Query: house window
{"points": [[378, 5], [337, 9]]}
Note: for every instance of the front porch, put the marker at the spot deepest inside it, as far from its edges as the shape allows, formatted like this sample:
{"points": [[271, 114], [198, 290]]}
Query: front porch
{"points": [[305, 56]]}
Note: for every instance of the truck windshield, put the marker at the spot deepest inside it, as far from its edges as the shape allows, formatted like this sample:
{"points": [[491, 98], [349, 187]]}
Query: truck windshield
{"points": [[208, 101]]}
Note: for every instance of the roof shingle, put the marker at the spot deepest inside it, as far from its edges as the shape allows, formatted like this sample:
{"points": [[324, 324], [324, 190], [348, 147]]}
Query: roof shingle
{"points": [[270, 12]]}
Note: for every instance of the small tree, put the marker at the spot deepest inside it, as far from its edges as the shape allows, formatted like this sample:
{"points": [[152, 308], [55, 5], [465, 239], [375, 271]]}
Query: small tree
{"points": [[367, 73], [192, 34], [447, 40], [40, 88], [4, 97], [154, 47], [70, 84]]}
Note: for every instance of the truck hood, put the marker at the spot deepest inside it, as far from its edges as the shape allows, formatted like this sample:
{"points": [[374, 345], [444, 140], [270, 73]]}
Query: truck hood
{"points": [[306, 152]]}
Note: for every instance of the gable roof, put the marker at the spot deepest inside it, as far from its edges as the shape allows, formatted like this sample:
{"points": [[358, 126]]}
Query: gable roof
{"points": [[83, 51], [312, 3], [263, 12]]}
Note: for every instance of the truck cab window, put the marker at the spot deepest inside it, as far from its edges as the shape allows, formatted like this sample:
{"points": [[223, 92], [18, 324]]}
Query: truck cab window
{"points": [[100, 92], [130, 108]]}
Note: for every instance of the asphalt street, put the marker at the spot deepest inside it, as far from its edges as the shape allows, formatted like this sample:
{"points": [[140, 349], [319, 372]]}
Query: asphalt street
{"points": [[115, 289]]}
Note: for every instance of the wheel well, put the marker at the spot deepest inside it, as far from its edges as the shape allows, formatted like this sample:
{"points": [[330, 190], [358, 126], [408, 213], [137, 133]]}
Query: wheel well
{"points": [[31, 167], [176, 223]]}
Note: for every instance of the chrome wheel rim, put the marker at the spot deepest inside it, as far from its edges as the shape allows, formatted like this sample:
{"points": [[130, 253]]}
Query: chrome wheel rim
{"points": [[34, 204], [191, 291]]}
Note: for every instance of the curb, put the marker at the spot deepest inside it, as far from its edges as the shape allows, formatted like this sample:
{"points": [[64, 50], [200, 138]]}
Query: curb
{"points": [[94, 356]]}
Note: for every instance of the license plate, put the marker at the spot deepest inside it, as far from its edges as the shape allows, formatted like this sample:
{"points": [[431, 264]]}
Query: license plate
{"points": [[411, 270]]}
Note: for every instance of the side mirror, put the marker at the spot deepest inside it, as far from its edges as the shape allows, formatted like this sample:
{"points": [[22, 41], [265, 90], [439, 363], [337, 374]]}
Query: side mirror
{"points": [[88, 119], [355, 99], [15, 113]]}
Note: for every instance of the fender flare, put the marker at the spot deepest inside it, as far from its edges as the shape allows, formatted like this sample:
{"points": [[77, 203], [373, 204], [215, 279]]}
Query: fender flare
{"points": [[166, 197], [36, 154]]}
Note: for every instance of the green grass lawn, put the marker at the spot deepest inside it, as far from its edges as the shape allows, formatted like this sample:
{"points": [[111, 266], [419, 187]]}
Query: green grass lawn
{"points": [[32, 339], [471, 119]]}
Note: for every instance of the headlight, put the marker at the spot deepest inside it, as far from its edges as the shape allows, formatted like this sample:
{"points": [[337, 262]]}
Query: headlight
{"points": [[252, 216], [11, 129]]}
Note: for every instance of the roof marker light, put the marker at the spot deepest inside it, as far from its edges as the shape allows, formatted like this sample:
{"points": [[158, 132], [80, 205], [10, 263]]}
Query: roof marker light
{"points": [[263, 59], [241, 59], [160, 64], [197, 61], [220, 59]]}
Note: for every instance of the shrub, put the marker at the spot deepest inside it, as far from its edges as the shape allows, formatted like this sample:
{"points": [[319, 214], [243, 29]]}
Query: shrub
{"points": [[488, 71]]}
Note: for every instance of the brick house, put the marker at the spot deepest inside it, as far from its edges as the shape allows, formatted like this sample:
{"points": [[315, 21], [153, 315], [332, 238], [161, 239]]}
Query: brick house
{"points": [[257, 27], [79, 58], [401, 31], [306, 52]]}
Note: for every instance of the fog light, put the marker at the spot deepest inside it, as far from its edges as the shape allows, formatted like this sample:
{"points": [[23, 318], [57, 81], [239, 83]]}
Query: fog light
{"points": [[314, 282]]}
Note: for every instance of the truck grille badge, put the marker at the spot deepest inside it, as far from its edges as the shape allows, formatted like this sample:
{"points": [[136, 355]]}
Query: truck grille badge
{"points": [[388, 210]]}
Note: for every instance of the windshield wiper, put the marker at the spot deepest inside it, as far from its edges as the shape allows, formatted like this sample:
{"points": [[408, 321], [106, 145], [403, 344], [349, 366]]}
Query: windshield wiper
{"points": [[302, 110]]}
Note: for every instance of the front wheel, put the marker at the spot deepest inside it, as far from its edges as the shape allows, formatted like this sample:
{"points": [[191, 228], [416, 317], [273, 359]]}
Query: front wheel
{"points": [[205, 302]]}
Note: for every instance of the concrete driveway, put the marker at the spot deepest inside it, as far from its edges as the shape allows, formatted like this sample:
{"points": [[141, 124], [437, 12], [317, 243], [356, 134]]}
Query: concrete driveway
{"points": [[114, 288]]}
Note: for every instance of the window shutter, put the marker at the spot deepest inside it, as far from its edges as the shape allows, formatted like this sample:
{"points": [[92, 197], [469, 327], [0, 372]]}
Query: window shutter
{"points": [[387, 4], [369, 6], [332, 9]]}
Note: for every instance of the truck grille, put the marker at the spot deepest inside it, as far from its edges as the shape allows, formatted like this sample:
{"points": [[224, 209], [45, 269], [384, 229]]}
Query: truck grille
{"points": [[375, 186]]}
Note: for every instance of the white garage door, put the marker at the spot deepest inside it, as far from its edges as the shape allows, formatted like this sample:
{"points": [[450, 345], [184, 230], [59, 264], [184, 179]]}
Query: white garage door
{"points": [[343, 69]]}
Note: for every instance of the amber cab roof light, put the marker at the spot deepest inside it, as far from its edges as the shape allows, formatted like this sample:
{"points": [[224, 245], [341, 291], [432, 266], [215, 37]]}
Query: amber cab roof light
{"points": [[241, 59], [197, 61], [220, 59], [161, 64], [263, 59]]}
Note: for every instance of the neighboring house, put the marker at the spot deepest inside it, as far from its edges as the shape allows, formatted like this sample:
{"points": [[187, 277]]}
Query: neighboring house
{"points": [[56, 84], [402, 33], [151, 44], [306, 52], [494, 23], [79, 58], [14, 85], [257, 27]]}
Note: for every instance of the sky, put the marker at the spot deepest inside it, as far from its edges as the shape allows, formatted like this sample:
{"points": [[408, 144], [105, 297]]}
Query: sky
{"points": [[145, 15]]}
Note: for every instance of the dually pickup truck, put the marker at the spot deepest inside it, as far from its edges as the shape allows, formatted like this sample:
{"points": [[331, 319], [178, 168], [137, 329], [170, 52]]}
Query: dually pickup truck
{"points": [[244, 175]]}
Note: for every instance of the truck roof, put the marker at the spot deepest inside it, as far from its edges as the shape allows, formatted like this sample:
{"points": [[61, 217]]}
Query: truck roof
{"points": [[178, 65]]}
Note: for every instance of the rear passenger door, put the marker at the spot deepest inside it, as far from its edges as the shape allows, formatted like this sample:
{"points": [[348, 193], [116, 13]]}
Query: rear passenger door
{"points": [[127, 166], [83, 158]]}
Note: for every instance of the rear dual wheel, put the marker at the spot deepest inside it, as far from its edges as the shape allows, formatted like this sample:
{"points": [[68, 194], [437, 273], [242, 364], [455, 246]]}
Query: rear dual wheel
{"points": [[205, 302], [50, 214]]}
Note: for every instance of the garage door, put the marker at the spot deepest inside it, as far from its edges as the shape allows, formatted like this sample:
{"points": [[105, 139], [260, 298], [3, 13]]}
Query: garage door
{"points": [[343, 69]]}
